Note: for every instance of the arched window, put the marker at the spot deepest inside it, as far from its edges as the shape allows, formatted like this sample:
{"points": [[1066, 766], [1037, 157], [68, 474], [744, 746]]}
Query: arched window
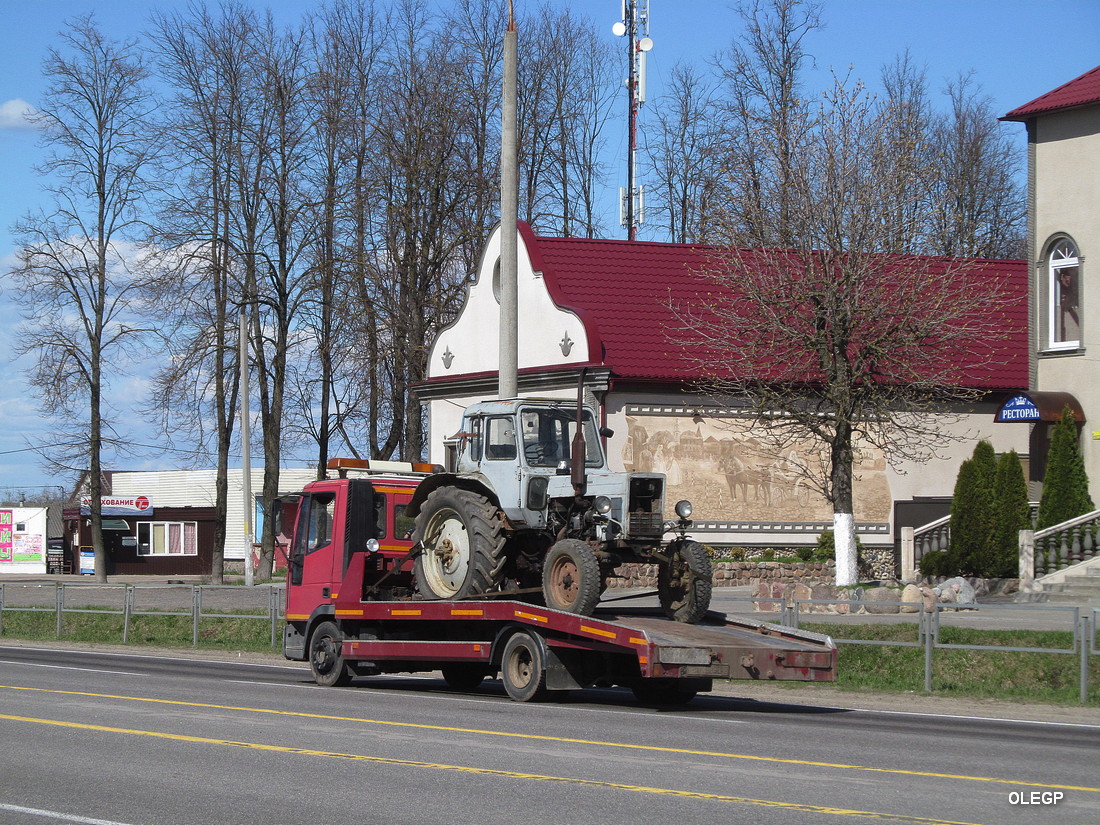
{"points": [[1064, 296]]}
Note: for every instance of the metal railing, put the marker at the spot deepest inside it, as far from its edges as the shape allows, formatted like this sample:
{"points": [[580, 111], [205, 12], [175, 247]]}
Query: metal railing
{"points": [[1066, 544], [1080, 622], [1041, 551], [134, 600]]}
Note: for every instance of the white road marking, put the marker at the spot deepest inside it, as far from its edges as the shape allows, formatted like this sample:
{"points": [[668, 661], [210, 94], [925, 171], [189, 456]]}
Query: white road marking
{"points": [[67, 667], [80, 820]]}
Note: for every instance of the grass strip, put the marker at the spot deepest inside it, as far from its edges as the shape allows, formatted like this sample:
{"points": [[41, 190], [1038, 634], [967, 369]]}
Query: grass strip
{"points": [[244, 634], [975, 674]]}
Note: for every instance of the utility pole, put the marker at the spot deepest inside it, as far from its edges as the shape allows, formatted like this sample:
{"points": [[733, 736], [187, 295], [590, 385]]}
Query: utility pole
{"points": [[246, 450], [508, 358], [635, 25]]}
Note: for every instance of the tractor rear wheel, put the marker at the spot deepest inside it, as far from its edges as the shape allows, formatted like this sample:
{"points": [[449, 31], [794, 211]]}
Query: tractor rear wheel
{"points": [[463, 538], [684, 582], [571, 577]]}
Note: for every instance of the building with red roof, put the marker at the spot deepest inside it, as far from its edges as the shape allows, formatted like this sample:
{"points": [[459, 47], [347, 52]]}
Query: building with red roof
{"points": [[607, 306]]}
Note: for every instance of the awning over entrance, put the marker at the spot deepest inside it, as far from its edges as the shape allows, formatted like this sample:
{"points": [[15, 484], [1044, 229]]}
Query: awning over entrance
{"points": [[115, 524], [1039, 406]]}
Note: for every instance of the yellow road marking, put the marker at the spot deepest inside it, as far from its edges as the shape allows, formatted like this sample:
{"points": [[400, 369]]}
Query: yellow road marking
{"points": [[409, 763], [567, 740]]}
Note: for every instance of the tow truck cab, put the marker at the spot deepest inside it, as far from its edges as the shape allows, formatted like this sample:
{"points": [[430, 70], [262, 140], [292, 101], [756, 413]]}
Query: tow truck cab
{"points": [[325, 526]]}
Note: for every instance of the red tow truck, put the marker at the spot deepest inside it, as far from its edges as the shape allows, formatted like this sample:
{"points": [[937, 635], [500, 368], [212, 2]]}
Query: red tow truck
{"points": [[352, 609]]}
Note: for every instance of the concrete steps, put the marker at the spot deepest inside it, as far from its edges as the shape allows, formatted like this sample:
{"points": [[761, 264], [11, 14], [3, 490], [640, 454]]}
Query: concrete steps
{"points": [[1081, 589]]}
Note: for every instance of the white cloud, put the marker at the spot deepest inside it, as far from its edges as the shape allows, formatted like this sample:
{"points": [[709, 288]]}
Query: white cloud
{"points": [[14, 115]]}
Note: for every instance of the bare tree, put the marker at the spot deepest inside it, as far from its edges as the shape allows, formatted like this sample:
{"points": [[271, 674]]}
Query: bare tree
{"points": [[831, 340], [76, 273], [681, 152], [205, 60], [767, 116], [566, 93], [981, 209]]}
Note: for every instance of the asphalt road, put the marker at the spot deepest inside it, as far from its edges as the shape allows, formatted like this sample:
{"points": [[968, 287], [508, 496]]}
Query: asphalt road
{"points": [[98, 737]]}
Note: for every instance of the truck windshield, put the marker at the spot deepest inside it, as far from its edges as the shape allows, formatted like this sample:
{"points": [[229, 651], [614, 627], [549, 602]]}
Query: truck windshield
{"points": [[548, 436]]}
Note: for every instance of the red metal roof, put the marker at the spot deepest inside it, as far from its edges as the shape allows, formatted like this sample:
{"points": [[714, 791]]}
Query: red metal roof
{"points": [[624, 291], [1081, 91]]}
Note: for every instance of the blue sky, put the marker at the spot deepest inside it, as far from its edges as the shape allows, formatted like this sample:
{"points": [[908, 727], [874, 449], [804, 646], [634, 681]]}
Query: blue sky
{"points": [[1017, 49]]}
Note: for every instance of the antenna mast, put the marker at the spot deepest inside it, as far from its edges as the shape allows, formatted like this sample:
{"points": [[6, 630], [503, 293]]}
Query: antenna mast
{"points": [[635, 25]]}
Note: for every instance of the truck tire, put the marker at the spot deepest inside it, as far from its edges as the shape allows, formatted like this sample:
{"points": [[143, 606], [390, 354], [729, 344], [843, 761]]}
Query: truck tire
{"points": [[571, 577], [684, 582], [326, 659], [463, 539], [523, 668]]}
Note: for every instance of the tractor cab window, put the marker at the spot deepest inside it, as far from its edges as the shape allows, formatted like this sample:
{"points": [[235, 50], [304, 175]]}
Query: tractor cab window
{"points": [[472, 437], [500, 438], [548, 436]]}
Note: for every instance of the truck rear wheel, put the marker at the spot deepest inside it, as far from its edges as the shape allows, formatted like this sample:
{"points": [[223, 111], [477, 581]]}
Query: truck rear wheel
{"points": [[684, 582], [523, 668], [571, 577], [326, 658], [463, 541]]}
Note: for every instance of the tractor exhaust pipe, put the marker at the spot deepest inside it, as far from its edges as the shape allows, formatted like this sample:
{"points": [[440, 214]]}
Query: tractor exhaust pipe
{"points": [[577, 475]]}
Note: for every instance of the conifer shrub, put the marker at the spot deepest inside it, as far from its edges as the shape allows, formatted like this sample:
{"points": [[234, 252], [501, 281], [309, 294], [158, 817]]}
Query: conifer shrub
{"points": [[1013, 514], [973, 513], [1065, 485]]}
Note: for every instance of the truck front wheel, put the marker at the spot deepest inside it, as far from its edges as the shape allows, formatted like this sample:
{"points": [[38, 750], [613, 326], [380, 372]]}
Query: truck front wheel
{"points": [[684, 582], [463, 552], [326, 658]]}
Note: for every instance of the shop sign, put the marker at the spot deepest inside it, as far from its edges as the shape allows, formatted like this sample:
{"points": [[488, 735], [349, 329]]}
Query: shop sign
{"points": [[115, 506], [1018, 408]]}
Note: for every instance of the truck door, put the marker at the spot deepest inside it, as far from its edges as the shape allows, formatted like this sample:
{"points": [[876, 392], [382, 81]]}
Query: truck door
{"points": [[313, 553]]}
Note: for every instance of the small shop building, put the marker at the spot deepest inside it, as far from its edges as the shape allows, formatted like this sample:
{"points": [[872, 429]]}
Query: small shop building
{"points": [[162, 522]]}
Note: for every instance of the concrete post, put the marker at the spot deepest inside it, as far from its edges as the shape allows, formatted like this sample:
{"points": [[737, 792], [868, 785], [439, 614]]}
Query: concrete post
{"points": [[1027, 561], [908, 555]]}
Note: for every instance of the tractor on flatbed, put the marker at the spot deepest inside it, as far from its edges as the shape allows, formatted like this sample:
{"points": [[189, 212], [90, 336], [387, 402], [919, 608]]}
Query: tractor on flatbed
{"points": [[532, 510]]}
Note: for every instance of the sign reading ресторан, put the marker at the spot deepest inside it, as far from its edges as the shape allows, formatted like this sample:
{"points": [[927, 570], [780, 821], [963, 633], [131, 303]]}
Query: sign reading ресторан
{"points": [[1018, 408], [119, 506]]}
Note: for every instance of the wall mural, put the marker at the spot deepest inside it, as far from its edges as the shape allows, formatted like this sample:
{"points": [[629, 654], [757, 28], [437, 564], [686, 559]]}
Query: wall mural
{"points": [[729, 474]]}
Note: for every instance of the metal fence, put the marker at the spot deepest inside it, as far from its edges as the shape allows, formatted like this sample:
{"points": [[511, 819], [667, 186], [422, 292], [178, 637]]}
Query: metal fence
{"points": [[199, 602], [1080, 622]]}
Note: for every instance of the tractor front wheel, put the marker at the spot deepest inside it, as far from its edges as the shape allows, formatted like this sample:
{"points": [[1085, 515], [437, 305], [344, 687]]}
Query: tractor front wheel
{"points": [[571, 577], [684, 583]]}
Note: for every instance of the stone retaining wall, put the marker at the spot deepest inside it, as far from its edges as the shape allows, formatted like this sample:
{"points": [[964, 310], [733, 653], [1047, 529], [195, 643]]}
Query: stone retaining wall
{"points": [[736, 573]]}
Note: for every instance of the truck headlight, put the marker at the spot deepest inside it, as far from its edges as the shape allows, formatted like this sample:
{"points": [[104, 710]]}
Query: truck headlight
{"points": [[602, 505], [683, 509]]}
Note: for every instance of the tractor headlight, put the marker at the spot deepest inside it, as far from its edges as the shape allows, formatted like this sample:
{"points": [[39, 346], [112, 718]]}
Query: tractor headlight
{"points": [[683, 509], [602, 505]]}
